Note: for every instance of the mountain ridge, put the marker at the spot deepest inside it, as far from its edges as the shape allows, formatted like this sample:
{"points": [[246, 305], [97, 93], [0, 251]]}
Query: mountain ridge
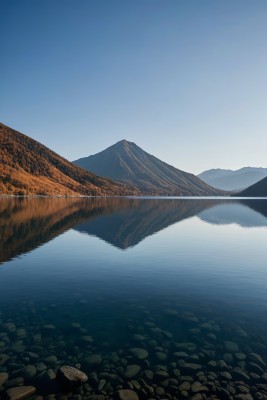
{"points": [[126, 162], [227, 179], [30, 168], [259, 189]]}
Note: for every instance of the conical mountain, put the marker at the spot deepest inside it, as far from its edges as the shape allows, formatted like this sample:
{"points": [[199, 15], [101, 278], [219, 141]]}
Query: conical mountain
{"points": [[28, 168], [127, 163]]}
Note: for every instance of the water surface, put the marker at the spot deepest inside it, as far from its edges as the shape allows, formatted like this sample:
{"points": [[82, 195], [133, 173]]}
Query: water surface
{"points": [[183, 280]]}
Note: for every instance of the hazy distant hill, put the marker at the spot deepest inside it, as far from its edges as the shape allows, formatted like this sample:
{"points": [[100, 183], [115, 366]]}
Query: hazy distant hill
{"points": [[28, 167], [227, 179], [126, 162], [259, 189]]}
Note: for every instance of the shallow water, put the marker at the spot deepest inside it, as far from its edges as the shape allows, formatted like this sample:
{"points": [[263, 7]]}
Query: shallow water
{"points": [[184, 280]]}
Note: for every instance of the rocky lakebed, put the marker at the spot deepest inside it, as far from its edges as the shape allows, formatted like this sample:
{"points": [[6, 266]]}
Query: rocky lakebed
{"points": [[165, 353]]}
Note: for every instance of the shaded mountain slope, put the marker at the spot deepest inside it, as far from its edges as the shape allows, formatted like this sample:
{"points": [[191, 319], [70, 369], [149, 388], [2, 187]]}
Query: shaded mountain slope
{"points": [[227, 179], [28, 167], [127, 163], [259, 189]]}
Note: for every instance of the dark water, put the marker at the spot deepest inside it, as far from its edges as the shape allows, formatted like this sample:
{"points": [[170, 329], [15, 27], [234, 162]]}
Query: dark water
{"points": [[185, 281]]}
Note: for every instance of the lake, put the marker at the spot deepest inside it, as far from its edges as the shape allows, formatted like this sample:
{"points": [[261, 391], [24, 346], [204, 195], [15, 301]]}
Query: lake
{"points": [[165, 298]]}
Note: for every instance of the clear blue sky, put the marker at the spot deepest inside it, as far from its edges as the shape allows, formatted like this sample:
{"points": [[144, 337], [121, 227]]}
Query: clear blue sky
{"points": [[186, 80]]}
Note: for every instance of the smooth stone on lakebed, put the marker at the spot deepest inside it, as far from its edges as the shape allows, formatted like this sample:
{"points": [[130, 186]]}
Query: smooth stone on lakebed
{"points": [[3, 378], [29, 371], [140, 354], [231, 347], [139, 338], [21, 392], [191, 367], [131, 371], [198, 387], [70, 376], [49, 327], [127, 394], [184, 387], [161, 356], [256, 358], [3, 358], [93, 360]]}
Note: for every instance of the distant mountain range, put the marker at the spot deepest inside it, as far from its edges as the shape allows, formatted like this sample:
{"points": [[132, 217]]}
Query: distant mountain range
{"points": [[125, 162], [226, 179], [28, 167]]}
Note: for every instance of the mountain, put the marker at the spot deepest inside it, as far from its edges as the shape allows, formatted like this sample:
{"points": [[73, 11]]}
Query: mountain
{"points": [[127, 163], [227, 179], [28, 167], [259, 189]]}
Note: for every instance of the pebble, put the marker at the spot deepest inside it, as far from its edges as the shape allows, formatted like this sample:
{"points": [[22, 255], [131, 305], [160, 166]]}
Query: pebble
{"points": [[198, 387], [51, 359], [138, 353], [20, 393], [185, 386], [3, 378], [69, 376], [256, 358], [231, 347], [3, 359], [132, 371], [87, 339], [50, 374], [49, 327], [191, 367], [160, 375], [161, 356], [139, 338], [29, 372], [127, 394], [93, 360]]}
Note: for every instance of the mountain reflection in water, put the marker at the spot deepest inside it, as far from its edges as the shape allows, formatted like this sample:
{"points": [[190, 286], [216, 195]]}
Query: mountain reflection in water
{"points": [[123, 222]]}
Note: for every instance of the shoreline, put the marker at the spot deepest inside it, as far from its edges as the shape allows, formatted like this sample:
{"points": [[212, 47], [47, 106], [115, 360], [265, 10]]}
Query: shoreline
{"points": [[233, 197]]}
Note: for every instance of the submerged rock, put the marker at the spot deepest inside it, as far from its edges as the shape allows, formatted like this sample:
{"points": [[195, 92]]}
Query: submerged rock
{"points": [[3, 378], [140, 354], [29, 372], [20, 393], [71, 377], [256, 358], [231, 347], [93, 360], [127, 394], [131, 371], [198, 387], [3, 359]]}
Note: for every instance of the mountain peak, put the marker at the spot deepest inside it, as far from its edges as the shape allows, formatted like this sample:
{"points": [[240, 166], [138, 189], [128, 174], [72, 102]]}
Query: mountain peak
{"points": [[124, 143], [126, 162]]}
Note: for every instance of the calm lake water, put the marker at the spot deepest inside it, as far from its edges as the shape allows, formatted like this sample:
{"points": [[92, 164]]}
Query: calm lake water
{"points": [[164, 297]]}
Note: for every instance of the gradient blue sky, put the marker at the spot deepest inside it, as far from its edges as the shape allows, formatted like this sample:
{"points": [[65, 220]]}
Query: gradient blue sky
{"points": [[186, 80]]}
